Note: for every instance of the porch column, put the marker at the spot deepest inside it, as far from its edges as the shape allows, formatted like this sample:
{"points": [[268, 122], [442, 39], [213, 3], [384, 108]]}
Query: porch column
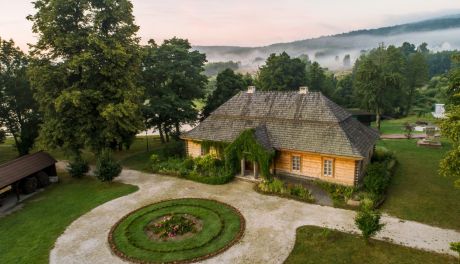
{"points": [[256, 170], [242, 166]]}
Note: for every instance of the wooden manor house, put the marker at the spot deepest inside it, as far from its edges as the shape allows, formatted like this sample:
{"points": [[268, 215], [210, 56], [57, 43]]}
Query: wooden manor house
{"points": [[313, 137]]}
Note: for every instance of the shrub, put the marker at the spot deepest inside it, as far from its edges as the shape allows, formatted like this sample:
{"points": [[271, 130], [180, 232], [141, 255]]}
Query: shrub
{"points": [[339, 193], [382, 154], [302, 192], [377, 178], [455, 246], [174, 148], [368, 220], [107, 168], [78, 167]]}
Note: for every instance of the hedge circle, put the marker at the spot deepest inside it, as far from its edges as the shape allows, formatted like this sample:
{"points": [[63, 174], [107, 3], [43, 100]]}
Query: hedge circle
{"points": [[221, 226]]}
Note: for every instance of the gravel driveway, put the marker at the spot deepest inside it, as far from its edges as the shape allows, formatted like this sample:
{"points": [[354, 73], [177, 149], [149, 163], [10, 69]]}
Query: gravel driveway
{"points": [[271, 222]]}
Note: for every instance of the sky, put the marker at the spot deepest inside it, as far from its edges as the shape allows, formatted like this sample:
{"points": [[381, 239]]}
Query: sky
{"points": [[247, 22]]}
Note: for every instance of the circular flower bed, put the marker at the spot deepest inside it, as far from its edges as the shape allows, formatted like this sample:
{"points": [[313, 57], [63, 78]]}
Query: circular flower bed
{"points": [[176, 231]]}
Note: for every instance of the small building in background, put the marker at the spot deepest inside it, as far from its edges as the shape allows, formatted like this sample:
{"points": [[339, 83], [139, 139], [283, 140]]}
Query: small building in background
{"points": [[439, 111]]}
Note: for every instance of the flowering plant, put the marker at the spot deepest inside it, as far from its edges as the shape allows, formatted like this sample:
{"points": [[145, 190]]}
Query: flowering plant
{"points": [[173, 225]]}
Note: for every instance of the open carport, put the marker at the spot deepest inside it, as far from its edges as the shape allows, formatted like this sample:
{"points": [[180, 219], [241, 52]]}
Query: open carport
{"points": [[27, 173]]}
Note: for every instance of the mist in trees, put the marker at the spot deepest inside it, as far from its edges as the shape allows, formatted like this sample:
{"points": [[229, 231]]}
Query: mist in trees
{"points": [[18, 109], [173, 78]]}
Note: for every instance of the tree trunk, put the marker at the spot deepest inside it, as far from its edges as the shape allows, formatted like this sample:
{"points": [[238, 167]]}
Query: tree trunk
{"points": [[162, 137], [177, 128], [377, 119]]}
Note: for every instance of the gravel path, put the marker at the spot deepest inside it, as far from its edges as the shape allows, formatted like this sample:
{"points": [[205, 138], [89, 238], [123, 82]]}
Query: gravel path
{"points": [[271, 222]]}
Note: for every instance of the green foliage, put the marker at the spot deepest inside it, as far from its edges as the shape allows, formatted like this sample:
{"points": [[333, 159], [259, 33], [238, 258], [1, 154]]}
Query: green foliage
{"points": [[455, 246], [379, 80], [246, 146], [78, 167], [206, 169], [278, 187], [217, 145], [382, 154], [174, 148], [339, 193], [85, 72], [107, 168], [18, 109], [173, 78], [228, 84], [171, 226], [368, 220], [281, 73], [377, 179], [450, 165], [215, 68]]}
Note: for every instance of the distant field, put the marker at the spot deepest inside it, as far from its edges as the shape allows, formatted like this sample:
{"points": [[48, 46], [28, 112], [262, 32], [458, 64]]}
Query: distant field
{"points": [[315, 245]]}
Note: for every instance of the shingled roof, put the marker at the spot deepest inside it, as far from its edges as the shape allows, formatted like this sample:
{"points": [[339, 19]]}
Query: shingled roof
{"points": [[290, 121]]}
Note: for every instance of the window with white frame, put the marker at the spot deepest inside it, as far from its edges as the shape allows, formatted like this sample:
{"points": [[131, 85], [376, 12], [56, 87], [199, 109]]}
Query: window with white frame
{"points": [[328, 167], [296, 163]]}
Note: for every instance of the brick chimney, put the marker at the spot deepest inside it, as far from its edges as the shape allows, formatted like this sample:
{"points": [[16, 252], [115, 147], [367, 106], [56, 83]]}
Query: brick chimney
{"points": [[251, 89], [303, 89]]}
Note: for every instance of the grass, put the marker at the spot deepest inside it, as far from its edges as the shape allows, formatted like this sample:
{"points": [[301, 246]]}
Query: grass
{"points": [[222, 226], [28, 235], [319, 245], [396, 126], [139, 146], [417, 192]]}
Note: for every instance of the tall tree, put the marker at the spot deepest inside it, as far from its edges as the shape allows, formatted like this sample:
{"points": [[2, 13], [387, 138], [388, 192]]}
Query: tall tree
{"points": [[379, 80], [450, 165], [173, 78], [87, 60], [228, 84], [416, 75], [343, 94], [18, 109], [281, 73]]}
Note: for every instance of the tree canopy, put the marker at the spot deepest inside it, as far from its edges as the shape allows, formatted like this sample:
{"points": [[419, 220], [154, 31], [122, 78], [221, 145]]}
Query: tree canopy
{"points": [[282, 73], [173, 78], [228, 84], [450, 165], [18, 109], [85, 71]]}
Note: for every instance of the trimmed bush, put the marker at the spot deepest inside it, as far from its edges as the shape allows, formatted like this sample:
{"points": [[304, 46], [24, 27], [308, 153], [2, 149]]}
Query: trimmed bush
{"points": [[174, 148], [377, 178], [78, 167], [107, 168], [340, 194], [382, 154]]}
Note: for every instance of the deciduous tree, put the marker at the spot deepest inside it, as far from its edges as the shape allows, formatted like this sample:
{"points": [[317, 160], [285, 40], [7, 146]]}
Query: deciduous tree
{"points": [[85, 72], [282, 73], [18, 109]]}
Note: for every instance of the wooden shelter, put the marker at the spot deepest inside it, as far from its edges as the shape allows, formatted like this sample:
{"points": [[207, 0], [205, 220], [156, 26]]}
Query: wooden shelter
{"points": [[15, 170]]}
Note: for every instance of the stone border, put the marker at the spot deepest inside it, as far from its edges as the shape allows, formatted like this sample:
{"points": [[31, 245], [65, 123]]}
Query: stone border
{"points": [[125, 257]]}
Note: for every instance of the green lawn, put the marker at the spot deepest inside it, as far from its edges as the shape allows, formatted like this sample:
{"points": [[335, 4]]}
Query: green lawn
{"points": [[319, 245], [396, 126], [28, 235], [8, 152], [417, 192]]}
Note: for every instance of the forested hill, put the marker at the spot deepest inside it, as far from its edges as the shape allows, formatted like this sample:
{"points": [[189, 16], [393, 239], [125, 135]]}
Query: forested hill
{"points": [[440, 34]]}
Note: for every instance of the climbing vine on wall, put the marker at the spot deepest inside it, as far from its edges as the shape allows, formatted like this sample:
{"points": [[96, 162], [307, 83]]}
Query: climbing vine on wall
{"points": [[217, 145], [246, 146]]}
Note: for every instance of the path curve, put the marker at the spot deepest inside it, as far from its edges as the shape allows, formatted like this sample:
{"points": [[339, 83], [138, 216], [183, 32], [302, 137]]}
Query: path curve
{"points": [[271, 222]]}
